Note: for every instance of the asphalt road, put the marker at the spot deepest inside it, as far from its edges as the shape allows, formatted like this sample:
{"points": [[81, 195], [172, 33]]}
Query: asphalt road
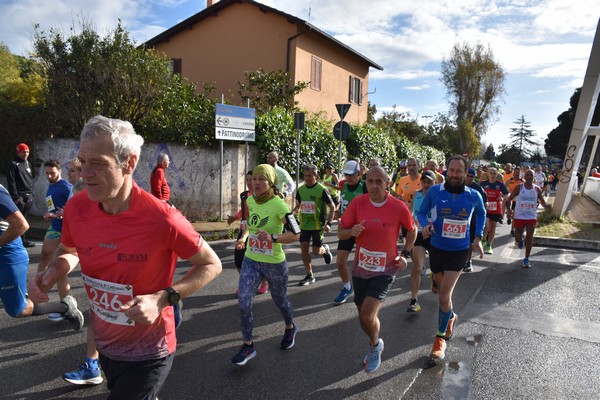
{"points": [[521, 334]]}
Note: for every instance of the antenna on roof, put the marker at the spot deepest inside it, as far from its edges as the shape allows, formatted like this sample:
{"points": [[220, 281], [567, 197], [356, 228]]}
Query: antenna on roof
{"points": [[308, 14]]}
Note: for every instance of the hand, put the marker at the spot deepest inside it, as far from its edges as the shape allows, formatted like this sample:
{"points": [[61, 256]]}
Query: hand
{"points": [[357, 229], [263, 236], [49, 216], [144, 309], [240, 244], [400, 262], [230, 219], [36, 290], [326, 228], [476, 245], [428, 231]]}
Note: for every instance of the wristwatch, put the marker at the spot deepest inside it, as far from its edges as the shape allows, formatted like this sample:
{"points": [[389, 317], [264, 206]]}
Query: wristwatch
{"points": [[173, 297], [274, 238]]}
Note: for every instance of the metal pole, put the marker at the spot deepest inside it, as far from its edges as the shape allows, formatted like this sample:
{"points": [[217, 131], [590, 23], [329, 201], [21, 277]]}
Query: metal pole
{"points": [[221, 172], [297, 165]]}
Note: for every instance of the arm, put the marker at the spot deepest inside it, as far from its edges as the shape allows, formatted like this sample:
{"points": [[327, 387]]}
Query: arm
{"points": [[64, 260], [355, 230], [17, 225], [514, 193], [411, 236], [206, 266], [290, 186], [331, 209], [542, 201], [11, 183]]}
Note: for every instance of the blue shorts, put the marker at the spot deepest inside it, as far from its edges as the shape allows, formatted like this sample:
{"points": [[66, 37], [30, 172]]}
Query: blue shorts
{"points": [[13, 282], [52, 233]]}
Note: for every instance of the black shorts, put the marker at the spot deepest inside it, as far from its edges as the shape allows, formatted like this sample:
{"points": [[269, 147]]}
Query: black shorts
{"points": [[419, 241], [494, 217], [377, 287], [347, 244], [443, 260], [136, 379], [472, 228], [316, 236]]}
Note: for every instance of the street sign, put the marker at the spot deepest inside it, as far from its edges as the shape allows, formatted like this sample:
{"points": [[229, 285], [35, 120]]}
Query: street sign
{"points": [[341, 130], [234, 123], [342, 109]]}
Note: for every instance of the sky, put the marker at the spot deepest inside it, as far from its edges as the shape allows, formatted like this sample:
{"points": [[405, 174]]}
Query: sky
{"points": [[543, 46]]}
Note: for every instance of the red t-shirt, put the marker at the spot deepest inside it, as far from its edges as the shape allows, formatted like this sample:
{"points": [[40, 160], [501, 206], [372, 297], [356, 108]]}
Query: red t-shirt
{"points": [[376, 246], [124, 255]]}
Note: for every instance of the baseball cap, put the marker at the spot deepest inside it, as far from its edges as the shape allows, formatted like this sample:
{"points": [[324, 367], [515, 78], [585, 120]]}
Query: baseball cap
{"points": [[351, 167], [403, 164], [21, 147], [329, 165], [470, 171], [429, 175]]}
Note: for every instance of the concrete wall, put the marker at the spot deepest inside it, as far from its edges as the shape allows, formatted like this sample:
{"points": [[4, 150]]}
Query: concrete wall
{"points": [[592, 189], [193, 174]]}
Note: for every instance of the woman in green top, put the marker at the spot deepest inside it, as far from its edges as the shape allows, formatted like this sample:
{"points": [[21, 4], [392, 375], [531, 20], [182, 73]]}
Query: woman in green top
{"points": [[264, 257]]}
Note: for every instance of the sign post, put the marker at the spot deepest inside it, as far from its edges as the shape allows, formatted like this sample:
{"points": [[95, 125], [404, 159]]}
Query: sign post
{"points": [[299, 126], [341, 130]]}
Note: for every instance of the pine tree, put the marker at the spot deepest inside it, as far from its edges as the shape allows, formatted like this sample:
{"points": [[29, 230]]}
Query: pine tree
{"points": [[522, 138]]}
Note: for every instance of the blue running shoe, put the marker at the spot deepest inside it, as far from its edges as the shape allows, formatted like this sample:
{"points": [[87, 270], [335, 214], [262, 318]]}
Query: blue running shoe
{"points": [[526, 263], [289, 338], [343, 296], [246, 353], [87, 374], [373, 359]]}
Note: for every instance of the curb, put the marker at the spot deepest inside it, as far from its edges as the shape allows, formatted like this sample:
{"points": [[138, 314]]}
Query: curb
{"points": [[565, 243]]}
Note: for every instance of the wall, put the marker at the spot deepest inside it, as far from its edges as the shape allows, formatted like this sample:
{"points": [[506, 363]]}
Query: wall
{"points": [[193, 175], [592, 189]]}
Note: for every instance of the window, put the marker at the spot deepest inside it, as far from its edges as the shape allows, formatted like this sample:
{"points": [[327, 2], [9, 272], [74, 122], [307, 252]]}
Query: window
{"points": [[315, 73], [355, 95], [175, 65]]}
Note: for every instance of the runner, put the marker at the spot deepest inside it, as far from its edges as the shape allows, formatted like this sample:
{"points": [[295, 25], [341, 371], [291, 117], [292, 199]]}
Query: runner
{"points": [[286, 184], [331, 182], [421, 245], [409, 184], [496, 193], [375, 220], [352, 187], [312, 198], [470, 182], [451, 206], [527, 196], [264, 257], [128, 243]]}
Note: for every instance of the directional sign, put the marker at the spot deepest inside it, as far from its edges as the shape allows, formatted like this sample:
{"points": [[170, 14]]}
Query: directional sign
{"points": [[342, 109], [235, 123], [341, 130]]}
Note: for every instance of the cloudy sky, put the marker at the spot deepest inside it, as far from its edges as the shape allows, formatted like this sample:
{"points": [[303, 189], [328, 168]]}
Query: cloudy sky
{"points": [[543, 45]]}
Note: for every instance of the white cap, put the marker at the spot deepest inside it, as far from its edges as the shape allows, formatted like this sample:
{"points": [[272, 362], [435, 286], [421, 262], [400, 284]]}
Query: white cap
{"points": [[351, 167]]}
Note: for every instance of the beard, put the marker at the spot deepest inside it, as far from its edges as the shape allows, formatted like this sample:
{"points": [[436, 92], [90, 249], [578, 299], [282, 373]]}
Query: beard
{"points": [[455, 185]]}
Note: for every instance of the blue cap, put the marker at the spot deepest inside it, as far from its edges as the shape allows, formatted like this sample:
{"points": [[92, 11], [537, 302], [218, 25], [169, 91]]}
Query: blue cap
{"points": [[471, 171]]}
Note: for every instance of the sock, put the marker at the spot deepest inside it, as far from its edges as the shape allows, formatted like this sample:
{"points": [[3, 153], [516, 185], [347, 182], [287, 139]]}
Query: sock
{"points": [[347, 286], [48, 308], [443, 319]]}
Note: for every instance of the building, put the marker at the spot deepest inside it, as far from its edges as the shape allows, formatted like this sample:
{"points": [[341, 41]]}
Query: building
{"points": [[230, 37]]}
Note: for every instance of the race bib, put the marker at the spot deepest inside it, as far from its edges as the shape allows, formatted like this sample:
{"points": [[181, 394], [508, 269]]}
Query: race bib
{"points": [[491, 206], [258, 246], [106, 299], [50, 204], [528, 206], [373, 261], [454, 229], [308, 207]]}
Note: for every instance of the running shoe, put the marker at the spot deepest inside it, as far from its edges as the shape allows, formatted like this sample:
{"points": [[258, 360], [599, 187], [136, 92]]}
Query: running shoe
{"points": [[343, 296], [434, 286], [508, 221], [308, 279], [526, 263], [246, 353], [327, 255], [450, 328], [373, 359], [468, 267], [414, 306], [512, 233], [488, 249], [438, 351], [424, 271], [55, 317], [289, 338], [263, 288], [521, 243], [73, 315], [85, 375]]}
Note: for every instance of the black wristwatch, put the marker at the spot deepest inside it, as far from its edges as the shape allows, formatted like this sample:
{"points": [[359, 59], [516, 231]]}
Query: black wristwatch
{"points": [[274, 238], [173, 297]]}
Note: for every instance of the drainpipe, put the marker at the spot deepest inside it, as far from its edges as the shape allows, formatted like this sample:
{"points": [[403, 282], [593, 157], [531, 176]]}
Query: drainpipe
{"points": [[289, 41]]}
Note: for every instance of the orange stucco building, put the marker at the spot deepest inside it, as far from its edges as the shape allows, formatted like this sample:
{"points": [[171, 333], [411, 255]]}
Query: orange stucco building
{"points": [[230, 37]]}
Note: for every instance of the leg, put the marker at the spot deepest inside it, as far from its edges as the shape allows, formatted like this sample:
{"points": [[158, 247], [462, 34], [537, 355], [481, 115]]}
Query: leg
{"points": [[491, 231], [250, 278], [306, 260], [418, 259], [368, 315], [277, 276], [341, 262], [529, 239]]}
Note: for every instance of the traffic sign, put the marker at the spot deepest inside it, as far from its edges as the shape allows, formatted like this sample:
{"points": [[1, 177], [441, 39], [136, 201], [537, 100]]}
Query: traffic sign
{"points": [[341, 130], [342, 109], [234, 123]]}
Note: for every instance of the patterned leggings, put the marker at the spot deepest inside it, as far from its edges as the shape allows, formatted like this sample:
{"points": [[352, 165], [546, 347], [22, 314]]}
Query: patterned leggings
{"points": [[250, 278]]}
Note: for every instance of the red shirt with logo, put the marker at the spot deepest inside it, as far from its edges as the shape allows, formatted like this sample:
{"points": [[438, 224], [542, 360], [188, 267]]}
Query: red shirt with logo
{"points": [[494, 192], [377, 245], [124, 255]]}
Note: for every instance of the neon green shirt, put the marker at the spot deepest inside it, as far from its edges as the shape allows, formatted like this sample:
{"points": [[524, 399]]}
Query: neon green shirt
{"points": [[312, 206], [266, 217]]}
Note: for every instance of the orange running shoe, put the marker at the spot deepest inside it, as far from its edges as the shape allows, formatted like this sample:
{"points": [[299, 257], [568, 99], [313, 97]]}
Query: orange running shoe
{"points": [[438, 351]]}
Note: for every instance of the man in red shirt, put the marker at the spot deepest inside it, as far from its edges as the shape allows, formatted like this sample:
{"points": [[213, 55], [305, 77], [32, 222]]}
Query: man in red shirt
{"points": [[159, 186], [128, 243], [375, 220]]}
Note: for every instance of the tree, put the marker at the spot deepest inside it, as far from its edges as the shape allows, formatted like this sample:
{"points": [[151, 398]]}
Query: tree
{"points": [[557, 140], [508, 154], [474, 83], [267, 90], [489, 153], [522, 138], [89, 75]]}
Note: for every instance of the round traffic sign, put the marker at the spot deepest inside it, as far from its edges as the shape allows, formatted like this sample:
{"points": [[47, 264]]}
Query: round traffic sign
{"points": [[341, 130]]}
